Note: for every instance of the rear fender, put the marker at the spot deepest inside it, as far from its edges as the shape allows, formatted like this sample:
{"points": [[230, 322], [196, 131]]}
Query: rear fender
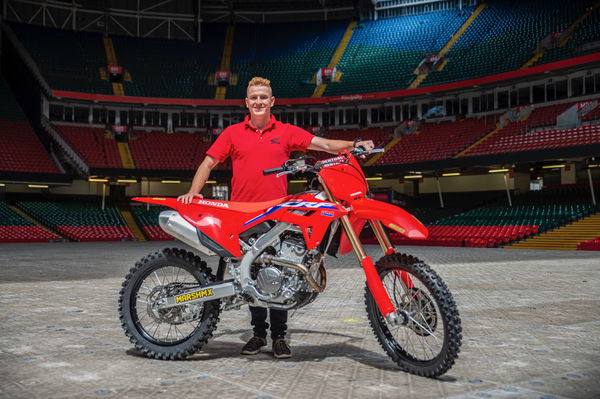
{"points": [[391, 216]]}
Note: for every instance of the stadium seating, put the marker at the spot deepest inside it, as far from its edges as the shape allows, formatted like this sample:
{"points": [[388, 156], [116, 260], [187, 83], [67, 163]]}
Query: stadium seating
{"points": [[396, 45], [160, 150], [535, 133], [15, 228], [148, 221], [380, 136], [20, 147], [503, 38], [469, 236], [586, 32], [171, 68], [509, 141], [93, 145], [22, 151], [68, 60], [381, 55], [498, 224], [438, 140], [288, 58], [80, 221]]}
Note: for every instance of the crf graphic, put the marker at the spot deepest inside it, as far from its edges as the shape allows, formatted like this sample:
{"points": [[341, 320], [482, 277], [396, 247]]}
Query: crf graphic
{"points": [[275, 140]]}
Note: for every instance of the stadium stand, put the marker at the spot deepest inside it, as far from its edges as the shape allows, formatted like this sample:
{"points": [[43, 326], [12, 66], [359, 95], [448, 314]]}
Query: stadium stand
{"points": [[381, 55], [68, 60], [289, 58], [380, 136], [504, 37], [396, 45], [15, 228], [160, 150], [81, 220], [22, 151], [147, 219], [535, 133], [171, 68], [438, 140], [93, 145], [497, 224], [584, 33], [20, 147]]}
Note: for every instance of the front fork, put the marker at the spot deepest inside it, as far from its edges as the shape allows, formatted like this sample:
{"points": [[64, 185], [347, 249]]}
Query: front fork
{"points": [[388, 249]]}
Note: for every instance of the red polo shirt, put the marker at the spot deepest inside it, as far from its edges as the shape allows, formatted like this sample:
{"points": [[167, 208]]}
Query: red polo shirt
{"points": [[252, 150]]}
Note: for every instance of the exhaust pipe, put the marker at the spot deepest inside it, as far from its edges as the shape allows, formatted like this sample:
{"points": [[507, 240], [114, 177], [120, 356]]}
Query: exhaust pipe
{"points": [[297, 266], [174, 224]]}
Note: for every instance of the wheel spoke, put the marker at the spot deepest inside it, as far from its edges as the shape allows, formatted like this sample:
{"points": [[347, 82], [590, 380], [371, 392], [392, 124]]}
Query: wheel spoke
{"points": [[165, 325], [422, 337]]}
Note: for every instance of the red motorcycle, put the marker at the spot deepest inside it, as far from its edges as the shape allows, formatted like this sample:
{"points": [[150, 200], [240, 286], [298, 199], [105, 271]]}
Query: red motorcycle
{"points": [[274, 253]]}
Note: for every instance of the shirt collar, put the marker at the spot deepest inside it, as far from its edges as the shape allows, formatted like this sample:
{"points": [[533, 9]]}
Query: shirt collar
{"points": [[270, 126]]}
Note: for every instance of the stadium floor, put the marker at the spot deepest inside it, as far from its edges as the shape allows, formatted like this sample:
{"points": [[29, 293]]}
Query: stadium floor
{"points": [[531, 328]]}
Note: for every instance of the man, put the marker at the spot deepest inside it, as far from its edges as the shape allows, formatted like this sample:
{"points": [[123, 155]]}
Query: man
{"points": [[261, 142]]}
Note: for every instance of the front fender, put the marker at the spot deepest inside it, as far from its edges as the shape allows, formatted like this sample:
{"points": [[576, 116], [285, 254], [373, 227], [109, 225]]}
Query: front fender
{"points": [[391, 216]]}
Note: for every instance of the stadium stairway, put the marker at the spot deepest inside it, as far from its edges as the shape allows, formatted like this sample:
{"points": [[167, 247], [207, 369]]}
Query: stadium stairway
{"points": [[568, 33], [481, 140], [420, 78], [111, 59], [132, 224], [335, 58], [564, 238], [125, 154], [221, 91], [35, 221]]}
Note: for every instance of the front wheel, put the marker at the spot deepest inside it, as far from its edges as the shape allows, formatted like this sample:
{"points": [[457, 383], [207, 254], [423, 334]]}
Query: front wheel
{"points": [[428, 342], [167, 333]]}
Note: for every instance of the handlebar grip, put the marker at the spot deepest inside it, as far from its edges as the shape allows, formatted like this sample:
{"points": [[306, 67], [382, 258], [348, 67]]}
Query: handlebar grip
{"points": [[273, 171]]}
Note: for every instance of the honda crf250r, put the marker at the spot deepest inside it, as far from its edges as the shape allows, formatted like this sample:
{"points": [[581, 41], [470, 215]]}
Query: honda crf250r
{"points": [[274, 252]]}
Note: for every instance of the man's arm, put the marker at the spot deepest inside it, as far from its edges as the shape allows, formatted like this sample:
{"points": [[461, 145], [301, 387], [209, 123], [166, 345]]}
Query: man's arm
{"points": [[334, 146], [200, 179]]}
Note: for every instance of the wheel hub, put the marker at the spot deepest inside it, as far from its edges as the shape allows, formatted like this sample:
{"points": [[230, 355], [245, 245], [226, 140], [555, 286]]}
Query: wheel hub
{"points": [[174, 315]]}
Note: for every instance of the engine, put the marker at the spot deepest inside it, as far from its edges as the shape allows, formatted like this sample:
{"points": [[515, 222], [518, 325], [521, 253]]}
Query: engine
{"points": [[284, 285]]}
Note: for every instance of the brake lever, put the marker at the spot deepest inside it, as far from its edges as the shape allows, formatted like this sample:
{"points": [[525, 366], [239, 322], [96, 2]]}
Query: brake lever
{"points": [[287, 172]]}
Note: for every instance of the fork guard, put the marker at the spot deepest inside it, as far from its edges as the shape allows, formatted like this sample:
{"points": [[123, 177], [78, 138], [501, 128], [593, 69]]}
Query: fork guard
{"points": [[391, 216]]}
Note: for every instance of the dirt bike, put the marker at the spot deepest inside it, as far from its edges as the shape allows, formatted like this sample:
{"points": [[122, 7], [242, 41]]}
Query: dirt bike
{"points": [[274, 252]]}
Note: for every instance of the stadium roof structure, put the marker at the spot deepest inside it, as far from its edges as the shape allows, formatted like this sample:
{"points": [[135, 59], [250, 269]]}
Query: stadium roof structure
{"points": [[171, 18], [182, 19]]}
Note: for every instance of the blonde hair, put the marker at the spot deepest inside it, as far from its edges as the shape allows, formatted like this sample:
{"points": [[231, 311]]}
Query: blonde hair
{"points": [[258, 81]]}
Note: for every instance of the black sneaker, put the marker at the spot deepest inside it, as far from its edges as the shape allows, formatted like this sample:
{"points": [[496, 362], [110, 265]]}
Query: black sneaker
{"points": [[281, 349], [253, 346]]}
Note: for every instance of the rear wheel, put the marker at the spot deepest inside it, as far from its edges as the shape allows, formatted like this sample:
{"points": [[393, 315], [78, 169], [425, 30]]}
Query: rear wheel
{"points": [[428, 342], [167, 333]]}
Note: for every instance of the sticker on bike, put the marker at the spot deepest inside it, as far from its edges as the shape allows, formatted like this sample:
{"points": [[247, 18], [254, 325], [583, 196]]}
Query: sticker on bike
{"points": [[294, 204]]}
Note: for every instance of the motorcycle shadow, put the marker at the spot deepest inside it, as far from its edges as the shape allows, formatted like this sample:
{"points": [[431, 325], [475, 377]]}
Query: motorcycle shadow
{"points": [[224, 345]]}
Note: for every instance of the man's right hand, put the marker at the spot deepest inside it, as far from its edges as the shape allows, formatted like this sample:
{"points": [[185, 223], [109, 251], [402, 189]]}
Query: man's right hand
{"points": [[187, 198]]}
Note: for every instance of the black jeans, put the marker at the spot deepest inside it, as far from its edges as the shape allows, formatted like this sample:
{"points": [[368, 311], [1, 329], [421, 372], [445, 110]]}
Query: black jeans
{"points": [[278, 322]]}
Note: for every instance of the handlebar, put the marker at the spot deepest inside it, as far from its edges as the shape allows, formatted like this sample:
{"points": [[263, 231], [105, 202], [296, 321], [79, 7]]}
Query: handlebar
{"points": [[273, 171], [298, 165], [360, 150]]}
